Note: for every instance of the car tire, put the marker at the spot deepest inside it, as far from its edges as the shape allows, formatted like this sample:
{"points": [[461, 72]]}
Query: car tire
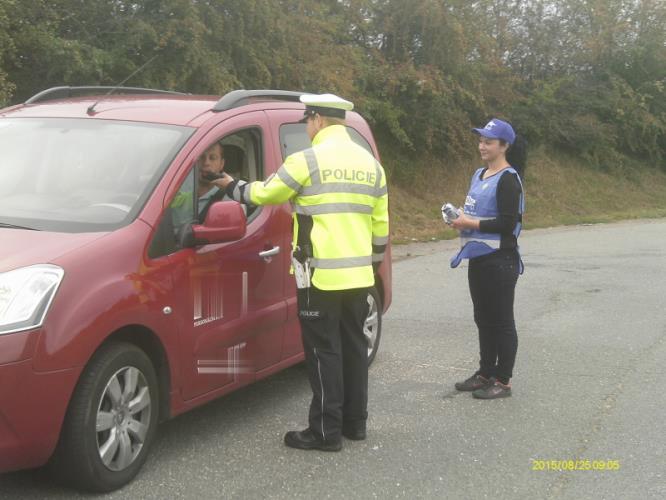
{"points": [[110, 422], [372, 326]]}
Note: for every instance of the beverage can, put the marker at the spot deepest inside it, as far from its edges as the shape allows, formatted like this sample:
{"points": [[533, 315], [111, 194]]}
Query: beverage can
{"points": [[449, 212]]}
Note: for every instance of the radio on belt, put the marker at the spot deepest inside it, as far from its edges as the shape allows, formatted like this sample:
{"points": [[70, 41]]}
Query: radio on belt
{"points": [[449, 212]]}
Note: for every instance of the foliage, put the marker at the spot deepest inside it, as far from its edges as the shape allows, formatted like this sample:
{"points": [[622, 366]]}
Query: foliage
{"points": [[584, 76]]}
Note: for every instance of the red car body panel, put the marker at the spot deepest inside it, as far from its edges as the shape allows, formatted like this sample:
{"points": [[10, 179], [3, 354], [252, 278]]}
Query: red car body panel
{"points": [[33, 408], [112, 287]]}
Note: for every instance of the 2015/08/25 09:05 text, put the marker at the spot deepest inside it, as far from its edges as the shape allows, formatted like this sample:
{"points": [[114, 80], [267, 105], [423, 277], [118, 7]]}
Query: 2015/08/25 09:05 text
{"points": [[564, 465]]}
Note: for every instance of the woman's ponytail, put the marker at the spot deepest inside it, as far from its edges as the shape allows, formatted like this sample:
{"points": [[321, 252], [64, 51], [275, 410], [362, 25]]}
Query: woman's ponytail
{"points": [[516, 155]]}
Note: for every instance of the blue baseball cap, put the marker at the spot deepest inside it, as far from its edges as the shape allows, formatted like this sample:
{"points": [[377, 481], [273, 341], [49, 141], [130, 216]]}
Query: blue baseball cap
{"points": [[497, 129]]}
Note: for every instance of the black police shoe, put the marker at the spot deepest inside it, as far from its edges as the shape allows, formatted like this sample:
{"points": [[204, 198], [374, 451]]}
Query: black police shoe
{"points": [[306, 440], [355, 432]]}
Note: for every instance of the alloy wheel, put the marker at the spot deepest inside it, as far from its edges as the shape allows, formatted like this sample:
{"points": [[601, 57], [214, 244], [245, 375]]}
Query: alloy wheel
{"points": [[371, 325], [123, 418]]}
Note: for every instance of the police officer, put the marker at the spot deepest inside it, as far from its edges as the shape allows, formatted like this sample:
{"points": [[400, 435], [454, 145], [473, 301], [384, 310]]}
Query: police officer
{"points": [[339, 197], [489, 228]]}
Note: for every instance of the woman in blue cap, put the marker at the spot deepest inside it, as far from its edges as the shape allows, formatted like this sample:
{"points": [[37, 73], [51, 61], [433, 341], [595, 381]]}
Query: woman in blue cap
{"points": [[489, 226]]}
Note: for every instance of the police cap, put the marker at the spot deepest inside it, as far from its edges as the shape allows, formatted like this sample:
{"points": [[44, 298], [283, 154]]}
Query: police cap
{"points": [[325, 105]]}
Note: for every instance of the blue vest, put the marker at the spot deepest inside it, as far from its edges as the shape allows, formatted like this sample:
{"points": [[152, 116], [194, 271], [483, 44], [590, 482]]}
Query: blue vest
{"points": [[481, 203]]}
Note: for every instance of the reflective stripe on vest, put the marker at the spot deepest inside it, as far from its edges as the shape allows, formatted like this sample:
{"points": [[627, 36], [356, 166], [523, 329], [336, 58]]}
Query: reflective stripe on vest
{"points": [[342, 187], [380, 240], [341, 262], [313, 166], [289, 180], [333, 208]]}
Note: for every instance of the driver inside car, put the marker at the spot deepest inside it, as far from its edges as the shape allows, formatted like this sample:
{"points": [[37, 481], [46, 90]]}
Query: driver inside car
{"points": [[210, 166]]}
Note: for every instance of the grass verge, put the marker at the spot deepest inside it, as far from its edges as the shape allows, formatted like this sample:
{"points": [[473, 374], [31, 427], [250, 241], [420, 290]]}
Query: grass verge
{"points": [[559, 191]]}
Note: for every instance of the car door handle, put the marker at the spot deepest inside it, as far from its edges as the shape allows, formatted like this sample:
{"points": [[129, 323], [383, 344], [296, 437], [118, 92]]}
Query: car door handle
{"points": [[267, 254]]}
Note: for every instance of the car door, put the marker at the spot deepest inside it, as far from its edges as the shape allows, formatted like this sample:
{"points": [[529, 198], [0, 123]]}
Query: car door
{"points": [[292, 137], [230, 306]]}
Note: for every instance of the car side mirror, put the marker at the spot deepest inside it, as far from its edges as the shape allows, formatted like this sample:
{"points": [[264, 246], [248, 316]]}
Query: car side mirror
{"points": [[225, 221]]}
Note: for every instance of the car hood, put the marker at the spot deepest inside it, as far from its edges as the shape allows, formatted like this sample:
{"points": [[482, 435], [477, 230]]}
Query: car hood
{"points": [[20, 247]]}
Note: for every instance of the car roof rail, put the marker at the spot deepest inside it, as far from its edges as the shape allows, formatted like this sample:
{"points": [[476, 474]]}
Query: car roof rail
{"points": [[65, 92], [237, 98]]}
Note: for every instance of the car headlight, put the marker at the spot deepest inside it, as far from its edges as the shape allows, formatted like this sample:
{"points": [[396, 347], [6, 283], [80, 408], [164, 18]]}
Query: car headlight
{"points": [[25, 296]]}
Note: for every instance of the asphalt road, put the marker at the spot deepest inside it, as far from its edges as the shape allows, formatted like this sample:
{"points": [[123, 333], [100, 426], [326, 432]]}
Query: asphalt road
{"points": [[587, 386]]}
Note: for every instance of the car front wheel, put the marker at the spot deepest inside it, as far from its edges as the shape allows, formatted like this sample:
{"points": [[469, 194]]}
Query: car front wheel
{"points": [[111, 420]]}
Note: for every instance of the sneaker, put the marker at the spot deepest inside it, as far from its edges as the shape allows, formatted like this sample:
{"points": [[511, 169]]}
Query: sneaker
{"points": [[473, 383], [306, 440], [495, 389]]}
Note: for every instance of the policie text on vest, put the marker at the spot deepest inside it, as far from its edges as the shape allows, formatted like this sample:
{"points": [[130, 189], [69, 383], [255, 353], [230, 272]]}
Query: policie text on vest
{"points": [[340, 174]]}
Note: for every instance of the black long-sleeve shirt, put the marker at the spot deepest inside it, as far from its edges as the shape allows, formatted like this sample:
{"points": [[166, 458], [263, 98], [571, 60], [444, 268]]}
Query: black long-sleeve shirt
{"points": [[508, 206]]}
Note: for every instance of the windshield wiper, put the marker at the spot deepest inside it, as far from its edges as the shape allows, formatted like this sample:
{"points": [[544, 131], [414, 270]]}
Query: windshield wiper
{"points": [[14, 226]]}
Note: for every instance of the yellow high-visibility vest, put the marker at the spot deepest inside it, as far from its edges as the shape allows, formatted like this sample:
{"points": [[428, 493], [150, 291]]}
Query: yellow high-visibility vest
{"points": [[343, 188]]}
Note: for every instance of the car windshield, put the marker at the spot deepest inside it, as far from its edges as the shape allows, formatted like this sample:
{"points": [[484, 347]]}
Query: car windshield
{"points": [[77, 175]]}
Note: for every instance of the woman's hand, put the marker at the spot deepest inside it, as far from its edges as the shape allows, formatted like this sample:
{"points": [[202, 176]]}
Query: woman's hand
{"points": [[464, 222]]}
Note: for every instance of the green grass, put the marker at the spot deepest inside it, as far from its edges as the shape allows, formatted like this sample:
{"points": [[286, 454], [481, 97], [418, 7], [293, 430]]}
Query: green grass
{"points": [[559, 191]]}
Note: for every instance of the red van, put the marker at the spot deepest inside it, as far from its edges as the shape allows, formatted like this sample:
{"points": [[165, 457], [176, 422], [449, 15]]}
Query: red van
{"points": [[123, 300]]}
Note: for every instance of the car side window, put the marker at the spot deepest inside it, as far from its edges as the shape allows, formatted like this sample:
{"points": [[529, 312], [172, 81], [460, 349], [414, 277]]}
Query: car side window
{"points": [[239, 155], [243, 161], [178, 213], [294, 138], [183, 206]]}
